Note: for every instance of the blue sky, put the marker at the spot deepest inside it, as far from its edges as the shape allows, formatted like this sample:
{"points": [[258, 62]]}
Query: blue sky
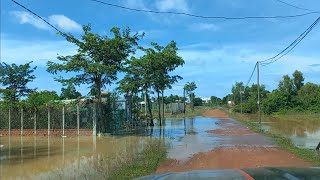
{"points": [[217, 52]]}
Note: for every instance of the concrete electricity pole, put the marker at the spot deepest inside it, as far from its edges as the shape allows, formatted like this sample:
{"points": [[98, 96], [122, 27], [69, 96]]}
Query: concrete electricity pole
{"points": [[258, 83]]}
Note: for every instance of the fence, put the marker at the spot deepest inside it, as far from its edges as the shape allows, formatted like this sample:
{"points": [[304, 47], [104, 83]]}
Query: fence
{"points": [[81, 118]]}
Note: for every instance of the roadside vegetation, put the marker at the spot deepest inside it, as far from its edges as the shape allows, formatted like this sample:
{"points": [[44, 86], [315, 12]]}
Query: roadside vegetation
{"points": [[144, 164], [292, 95]]}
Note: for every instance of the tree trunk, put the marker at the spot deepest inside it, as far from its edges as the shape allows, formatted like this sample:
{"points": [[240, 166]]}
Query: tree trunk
{"points": [[145, 100], [147, 105], [163, 107], [159, 107], [150, 112], [100, 123]]}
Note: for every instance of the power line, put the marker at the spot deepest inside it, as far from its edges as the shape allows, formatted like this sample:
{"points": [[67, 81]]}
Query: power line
{"points": [[291, 46], [68, 36], [297, 7], [202, 16], [254, 69]]}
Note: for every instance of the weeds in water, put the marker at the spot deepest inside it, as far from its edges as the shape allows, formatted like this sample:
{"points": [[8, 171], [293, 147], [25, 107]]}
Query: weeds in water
{"points": [[144, 164]]}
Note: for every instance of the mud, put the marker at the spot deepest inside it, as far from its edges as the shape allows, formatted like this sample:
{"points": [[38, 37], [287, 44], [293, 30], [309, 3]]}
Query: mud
{"points": [[215, 113], [235, 157], [239, 147]]}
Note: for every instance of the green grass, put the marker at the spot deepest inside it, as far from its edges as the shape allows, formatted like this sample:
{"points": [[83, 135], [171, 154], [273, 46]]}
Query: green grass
{"points": [[146, 163], [283, 142]]}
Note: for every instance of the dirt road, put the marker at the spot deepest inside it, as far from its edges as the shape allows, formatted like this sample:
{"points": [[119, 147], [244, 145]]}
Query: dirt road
{"points": [[257, 150]]}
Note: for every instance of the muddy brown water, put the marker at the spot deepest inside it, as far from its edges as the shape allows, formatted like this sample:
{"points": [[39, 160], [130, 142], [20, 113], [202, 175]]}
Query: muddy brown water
{"points": [[304, 134], [70, 157]]}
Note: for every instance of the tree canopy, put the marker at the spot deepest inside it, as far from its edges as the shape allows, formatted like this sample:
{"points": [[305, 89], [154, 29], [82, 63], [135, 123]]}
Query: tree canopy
{"points": [[69, 92], [98, 59], [15, 78]]}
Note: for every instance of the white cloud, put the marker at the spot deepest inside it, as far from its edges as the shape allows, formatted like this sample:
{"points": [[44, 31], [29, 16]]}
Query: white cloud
{"points": [[60, 21], [138, 4], [204, 27], [19, 51], [27, 18], [167, 5], [64, 23]]}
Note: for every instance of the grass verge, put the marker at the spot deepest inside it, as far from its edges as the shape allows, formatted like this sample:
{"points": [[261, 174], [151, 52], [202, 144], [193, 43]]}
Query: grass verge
{"points": [[146, 163], [282, 142]]}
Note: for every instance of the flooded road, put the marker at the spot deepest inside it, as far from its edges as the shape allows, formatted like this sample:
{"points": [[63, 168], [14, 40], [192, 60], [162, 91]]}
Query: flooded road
{"points": [[60, 158]]}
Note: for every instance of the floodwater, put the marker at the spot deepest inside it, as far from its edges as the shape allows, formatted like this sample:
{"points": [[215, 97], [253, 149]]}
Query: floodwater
{"points": [[304, 134], [73, 157]]}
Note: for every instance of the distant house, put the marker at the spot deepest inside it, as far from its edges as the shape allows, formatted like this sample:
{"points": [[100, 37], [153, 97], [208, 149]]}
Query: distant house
{"points": [[231, 103], [206, 100]]}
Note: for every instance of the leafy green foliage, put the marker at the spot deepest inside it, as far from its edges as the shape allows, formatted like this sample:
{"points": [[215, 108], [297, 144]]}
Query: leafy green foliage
{"points": [[152, 70], [40, 98], [309, 97], [98, 59], [172, 99], [15, 78], [215, 100], [249, 97], [69, 92], [197, 101]]}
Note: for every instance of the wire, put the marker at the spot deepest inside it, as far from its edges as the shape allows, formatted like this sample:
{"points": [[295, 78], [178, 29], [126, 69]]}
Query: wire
{"points": [[291, 46], [254, 69], [62, 33], [202, 16], [297, 7]]}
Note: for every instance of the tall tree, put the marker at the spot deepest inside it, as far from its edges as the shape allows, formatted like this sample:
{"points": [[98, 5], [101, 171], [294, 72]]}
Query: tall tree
{"points": [[15, 78], [236, 90], [69, 92], [189, 88], [297, 80], [165, 60], [97, 61]]}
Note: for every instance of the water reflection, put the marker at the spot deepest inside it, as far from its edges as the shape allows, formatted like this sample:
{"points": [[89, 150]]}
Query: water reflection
{"points": [[42, 157], [303, 133]]}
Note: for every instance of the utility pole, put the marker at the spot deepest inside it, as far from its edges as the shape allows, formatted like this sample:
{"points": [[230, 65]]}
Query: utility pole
{"points": [[184, 102], [258, 83], [241, 99]]}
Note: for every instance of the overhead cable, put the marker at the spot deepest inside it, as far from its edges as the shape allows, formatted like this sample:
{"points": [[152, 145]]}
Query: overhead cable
{"points": [[294, 6], [291, 46], [68, 36], [202, 16]]}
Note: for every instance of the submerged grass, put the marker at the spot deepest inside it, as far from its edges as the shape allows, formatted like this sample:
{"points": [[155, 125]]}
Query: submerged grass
{"points": [[285, 143], [144, 164]]}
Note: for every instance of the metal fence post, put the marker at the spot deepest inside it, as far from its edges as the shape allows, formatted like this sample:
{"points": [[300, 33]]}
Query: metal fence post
{"points": [[35, 122], [78, 118], [21, 118], [9, 128], [94, 120], [49, 123], [63, 120]]}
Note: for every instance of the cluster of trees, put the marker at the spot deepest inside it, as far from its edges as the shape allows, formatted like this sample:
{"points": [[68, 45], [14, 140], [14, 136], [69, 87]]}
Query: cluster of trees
{"points": [[291, 94], [15, 78], [97, 63]]}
